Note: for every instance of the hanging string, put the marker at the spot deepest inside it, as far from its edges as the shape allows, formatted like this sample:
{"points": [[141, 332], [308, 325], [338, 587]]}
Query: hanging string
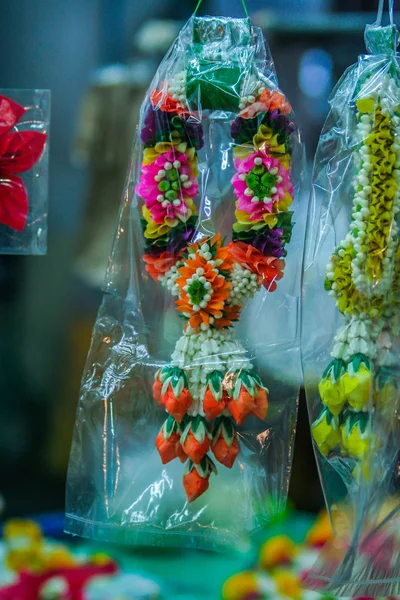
{"points": [[243, 3], [379, 15]]}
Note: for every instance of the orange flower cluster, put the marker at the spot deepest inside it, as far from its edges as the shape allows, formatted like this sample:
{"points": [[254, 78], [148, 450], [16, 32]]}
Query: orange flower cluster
{"points": [[268, 268], [164, 101], [157, 266], [204, 288]]}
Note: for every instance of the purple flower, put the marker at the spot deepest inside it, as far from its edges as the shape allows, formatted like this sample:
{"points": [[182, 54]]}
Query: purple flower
{"points": [[270, 244], [158, 126]]}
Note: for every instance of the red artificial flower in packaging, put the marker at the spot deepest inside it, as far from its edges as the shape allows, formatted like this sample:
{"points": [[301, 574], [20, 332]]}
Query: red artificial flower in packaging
{"points": [[196, 478], [19, 151]]}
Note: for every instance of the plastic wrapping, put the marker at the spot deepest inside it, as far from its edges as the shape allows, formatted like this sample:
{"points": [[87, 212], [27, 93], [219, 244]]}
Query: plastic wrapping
{"points": [[194, 323], [24, 129], [350, 340]]}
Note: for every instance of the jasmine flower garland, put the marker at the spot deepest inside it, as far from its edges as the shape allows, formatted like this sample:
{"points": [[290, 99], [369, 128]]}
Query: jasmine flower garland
{"points": [[362, 276], [210, 387]]}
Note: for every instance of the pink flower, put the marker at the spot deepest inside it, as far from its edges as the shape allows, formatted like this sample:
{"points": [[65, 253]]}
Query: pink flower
{"points": [[166, 184], [261, 182]]}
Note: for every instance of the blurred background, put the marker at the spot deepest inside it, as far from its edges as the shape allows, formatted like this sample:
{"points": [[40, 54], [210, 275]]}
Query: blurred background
{"points": [[98, 57]]}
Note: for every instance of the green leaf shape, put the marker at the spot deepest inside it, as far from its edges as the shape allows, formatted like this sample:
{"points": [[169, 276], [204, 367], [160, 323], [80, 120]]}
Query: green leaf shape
{"points": [[327, 370], [248, 381], [206, 467], [170, 426], [214, 381], [228, 430], [388, 375], [339, 366], [359, 419], [358, 359]]}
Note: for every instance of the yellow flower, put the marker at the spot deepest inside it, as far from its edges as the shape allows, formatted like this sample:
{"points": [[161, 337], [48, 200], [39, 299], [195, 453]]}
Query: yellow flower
{"points": [[356, 435], [154, 230], [326, 431], [245, 224], [321, 531], [23, 540], [277, 551], [332, 394], [285, 202], [59, 558], [386, 398], [239, 586], [366, 105], [265, 141], [287, 584], [357, 386]]}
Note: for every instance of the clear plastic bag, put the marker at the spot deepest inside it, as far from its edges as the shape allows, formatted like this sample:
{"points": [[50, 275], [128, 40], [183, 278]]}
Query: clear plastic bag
{"points": [[189, 323], [350, 340], [24, 144]]}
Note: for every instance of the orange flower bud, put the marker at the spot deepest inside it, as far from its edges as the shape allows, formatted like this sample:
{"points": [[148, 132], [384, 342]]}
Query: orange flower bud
{"points": [[261, 403], [225, 453], [195, 485], [167, 448], [241, 407], [168, 442], [212, 407], [194, 449], [196, 478], [177, 406], [157, 387], [215, 397]]}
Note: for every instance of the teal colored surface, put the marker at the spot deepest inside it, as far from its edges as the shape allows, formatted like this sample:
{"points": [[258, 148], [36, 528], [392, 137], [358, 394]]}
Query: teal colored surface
{"points": [[194, 575]]}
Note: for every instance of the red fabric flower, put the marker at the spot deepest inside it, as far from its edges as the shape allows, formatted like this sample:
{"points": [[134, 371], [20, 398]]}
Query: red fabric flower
{"points": [[268, 268], [156, 266], [19, 151]]}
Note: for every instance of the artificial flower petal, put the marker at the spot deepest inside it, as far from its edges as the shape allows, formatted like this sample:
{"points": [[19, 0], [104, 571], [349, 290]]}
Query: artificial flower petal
{"points": [[13, 202]]}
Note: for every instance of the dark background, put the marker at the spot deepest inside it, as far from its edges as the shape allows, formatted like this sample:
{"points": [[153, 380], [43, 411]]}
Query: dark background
{"points": [[46, 309]]}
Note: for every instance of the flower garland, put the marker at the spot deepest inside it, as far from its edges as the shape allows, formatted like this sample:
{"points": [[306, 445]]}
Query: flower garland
{"points": [[262, 184], [362, 276], [212, 282]]}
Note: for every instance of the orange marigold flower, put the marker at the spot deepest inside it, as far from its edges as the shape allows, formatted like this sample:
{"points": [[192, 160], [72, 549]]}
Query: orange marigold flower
{"points": [[268, 268], [203, 291], [156, 266]]}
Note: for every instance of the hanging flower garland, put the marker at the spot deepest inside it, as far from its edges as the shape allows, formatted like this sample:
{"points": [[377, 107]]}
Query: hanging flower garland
{"points": [[362, 276], [212, 282]]}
